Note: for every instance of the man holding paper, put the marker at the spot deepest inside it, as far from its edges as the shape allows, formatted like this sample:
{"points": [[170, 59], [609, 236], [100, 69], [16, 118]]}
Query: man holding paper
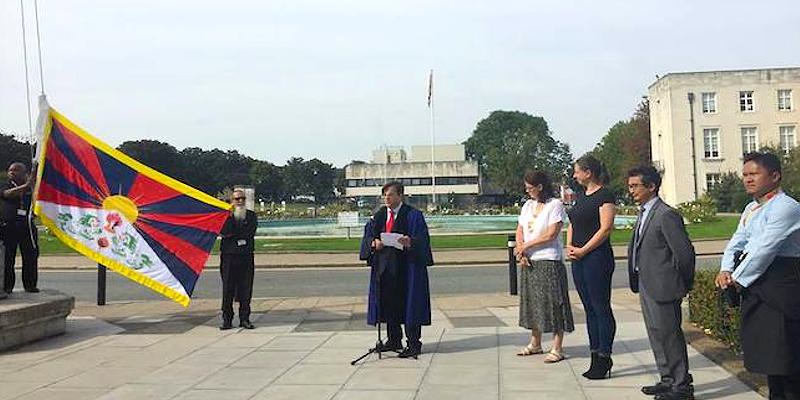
{"points": [[400, 254]]}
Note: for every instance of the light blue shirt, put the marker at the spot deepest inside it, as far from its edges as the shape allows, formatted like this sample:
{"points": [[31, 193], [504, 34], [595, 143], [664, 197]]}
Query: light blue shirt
{"points": [[772, 230], [647, 207]]}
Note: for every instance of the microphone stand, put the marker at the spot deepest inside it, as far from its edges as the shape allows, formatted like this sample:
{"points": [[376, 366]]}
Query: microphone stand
{"points": [[379, 343]]}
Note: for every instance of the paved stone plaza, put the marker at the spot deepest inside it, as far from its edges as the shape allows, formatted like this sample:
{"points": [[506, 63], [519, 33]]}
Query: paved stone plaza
{"points": [[302, 348]]}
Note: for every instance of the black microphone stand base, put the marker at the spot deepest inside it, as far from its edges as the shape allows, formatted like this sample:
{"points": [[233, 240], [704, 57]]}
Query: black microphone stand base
{"points": [[377, 350]]}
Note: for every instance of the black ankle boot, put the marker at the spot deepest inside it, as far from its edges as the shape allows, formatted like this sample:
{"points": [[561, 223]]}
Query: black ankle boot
{"points": [[601, 369], [592, 364]]}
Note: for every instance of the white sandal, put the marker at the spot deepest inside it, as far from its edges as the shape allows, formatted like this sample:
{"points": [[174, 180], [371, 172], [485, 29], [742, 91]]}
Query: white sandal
{"points": [[553, 357], [529, 350]]}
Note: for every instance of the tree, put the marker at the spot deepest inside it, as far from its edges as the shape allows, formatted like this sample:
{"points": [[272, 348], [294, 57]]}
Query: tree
{"points": [[294, 174], [267, 178], [160, 156], [507, 143], [11, 151], [625, 145], [321, 179], [728, 194]]}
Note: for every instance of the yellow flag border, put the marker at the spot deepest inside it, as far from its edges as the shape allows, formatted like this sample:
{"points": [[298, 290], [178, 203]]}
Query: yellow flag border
{"points": [[116, 266], [125, 159]]}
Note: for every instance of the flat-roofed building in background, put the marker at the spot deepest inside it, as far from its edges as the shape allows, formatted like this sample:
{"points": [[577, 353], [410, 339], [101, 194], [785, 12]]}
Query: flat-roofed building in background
{"points": [[456, 177], [726, 114]]}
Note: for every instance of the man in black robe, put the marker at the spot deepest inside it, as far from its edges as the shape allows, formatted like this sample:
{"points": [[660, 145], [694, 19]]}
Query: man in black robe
{"points": [[237, 262]]}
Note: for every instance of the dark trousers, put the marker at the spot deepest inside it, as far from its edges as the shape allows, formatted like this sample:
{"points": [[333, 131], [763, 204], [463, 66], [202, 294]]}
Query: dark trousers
{"points": [[18, 234], [413, 334], [663, 322], [783, 387], [592, 277], [237, 281]]}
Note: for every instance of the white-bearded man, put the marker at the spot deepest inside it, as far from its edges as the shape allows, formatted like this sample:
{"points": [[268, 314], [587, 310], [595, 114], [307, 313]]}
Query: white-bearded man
{"points": [[236, 261]]}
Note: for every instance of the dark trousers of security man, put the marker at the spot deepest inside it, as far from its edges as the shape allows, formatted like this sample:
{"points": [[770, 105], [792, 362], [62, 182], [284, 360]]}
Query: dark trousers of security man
{"points": [[237, 281], [19, 234]]}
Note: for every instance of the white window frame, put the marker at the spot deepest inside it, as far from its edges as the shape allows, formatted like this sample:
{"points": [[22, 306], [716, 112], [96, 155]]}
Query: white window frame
{"points": [[747, 101], [711, 182], [781, 130], [709, 148], [785, 100], [709, 102], [748, 132]]}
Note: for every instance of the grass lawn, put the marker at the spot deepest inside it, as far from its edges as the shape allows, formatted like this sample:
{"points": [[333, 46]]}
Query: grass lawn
{"points": [[723, 228]]}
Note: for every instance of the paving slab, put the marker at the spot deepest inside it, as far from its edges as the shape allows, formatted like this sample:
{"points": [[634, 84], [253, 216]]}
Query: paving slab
{"points": [[137, 358]]}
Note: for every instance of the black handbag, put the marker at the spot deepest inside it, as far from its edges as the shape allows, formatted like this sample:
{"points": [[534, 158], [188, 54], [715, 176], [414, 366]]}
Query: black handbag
{"points": [[731, 294]]}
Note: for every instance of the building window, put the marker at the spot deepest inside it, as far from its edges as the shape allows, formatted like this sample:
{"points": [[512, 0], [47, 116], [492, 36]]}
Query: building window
{"points": [[712, 180], [746, 101], [711, 142], [749, 140], [352, 183], [787, 138], [785, 100], [709, 103]]}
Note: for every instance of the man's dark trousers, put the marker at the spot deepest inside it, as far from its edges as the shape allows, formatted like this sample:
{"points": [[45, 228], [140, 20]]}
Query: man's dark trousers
{"points": [[18, 234], [237, 281]]}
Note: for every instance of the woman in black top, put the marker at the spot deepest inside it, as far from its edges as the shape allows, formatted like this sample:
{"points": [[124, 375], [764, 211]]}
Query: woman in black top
{"points": [[589, 248]]}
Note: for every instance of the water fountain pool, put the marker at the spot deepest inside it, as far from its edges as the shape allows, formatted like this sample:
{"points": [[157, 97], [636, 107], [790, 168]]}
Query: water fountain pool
{"points": [[443, 224]]}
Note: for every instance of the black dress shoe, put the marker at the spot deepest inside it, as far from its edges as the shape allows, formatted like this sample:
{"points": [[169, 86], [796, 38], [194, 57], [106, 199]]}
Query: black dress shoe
{"points": [[410, 352], [32, 290], [389, 346], [660, 387], [247, 325], [225, 326], [676, 395]]}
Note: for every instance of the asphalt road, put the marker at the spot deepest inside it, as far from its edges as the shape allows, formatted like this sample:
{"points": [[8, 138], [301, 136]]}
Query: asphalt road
{"points": [[445, 280]]}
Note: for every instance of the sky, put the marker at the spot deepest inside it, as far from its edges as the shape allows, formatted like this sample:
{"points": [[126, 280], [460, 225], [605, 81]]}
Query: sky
{"points": [[336, 79]]}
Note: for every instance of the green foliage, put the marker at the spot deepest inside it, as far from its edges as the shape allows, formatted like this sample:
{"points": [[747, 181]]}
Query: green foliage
{"points": [[711, 313], [625, 145], [702, 210], [729, 194], [12, 150], [507, 143]]}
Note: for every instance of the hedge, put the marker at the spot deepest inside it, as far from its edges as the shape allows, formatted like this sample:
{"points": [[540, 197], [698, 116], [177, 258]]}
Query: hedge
{"points": [[709, 311]]}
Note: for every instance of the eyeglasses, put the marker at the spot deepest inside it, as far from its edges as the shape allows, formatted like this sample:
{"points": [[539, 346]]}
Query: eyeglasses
{"points": [[238, 198], [635, 185]]}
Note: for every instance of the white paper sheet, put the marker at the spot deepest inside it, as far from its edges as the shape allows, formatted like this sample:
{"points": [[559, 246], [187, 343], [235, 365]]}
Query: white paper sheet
{"points": [[391, 240]]}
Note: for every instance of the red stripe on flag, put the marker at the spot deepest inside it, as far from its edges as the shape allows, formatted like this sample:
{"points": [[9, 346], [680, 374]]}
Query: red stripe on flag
{"points": [[190, 254], [207, 222], [146, 191], [52, 195], [86, 153], [62, 165]]}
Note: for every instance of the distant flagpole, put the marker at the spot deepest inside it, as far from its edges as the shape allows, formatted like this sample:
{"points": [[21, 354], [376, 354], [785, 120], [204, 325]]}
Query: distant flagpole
{"points": [[433, 137]]}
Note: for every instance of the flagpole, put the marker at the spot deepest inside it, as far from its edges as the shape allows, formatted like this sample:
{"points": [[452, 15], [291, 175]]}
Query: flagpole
{"points": [[433, 137]]}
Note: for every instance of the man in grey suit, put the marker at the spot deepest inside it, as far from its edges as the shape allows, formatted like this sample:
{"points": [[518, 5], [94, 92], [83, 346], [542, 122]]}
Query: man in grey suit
{"points": [[661, 262]]}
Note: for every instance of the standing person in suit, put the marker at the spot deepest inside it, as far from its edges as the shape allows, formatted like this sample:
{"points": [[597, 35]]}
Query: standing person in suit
{"points": [[236, 261], [768, 277], [661, 262], [403, 273]]}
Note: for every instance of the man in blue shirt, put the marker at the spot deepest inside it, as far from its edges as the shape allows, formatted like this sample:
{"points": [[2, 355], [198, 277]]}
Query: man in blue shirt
{"points": [[768, 277]]}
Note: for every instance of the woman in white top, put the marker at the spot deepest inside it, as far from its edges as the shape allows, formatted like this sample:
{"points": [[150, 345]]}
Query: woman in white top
{"points": [[544, 295]]}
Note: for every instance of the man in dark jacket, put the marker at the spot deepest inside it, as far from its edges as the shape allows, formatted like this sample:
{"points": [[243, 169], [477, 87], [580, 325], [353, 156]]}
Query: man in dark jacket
{"points": [[236, 261], [402, 272], [19, 230]]}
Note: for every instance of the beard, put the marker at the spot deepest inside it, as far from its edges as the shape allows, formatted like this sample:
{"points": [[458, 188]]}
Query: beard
{"points": [[239, 213]]}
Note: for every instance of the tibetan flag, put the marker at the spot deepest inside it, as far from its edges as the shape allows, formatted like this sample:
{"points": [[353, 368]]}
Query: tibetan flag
{"points": [[120, 213]]}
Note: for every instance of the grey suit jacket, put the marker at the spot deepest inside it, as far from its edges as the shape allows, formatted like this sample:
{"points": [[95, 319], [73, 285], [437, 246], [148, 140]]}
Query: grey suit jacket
{"points": [[664, 254]]}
